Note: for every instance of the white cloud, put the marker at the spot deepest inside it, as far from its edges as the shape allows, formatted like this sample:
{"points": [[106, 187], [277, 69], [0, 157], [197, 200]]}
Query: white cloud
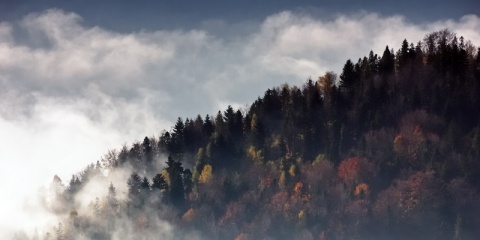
{"points": [[69, 92], [74, 56], [304, 46]]}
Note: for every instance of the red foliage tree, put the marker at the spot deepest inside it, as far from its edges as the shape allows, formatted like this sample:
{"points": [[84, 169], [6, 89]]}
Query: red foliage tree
{"points": [[355, 170], [418, 132], [415, 201]]}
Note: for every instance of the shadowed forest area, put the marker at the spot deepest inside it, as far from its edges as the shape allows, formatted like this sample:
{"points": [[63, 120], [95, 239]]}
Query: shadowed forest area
{"points": [[388, 149]]}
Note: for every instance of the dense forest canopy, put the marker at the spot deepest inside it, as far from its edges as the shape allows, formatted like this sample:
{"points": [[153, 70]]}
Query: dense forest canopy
{"points": [[387, 149]]}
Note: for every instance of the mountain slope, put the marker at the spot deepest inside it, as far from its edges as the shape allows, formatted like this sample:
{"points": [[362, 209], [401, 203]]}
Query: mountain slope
{"points": [[389, 150]]}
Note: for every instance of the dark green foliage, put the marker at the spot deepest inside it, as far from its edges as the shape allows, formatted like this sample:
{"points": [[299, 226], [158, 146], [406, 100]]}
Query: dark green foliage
{"points": [[147, 155], [187, 182], [134, 184], [158, 182], [91, 171], [145, 189], [387, 63], [135, 157], [74, 186], [112, 197], [176, 189], [348, 79], [123, 155]]}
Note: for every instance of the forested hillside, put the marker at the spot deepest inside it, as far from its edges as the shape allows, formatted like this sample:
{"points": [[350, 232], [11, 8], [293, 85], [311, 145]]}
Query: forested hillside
{"points": [[388, 149]]}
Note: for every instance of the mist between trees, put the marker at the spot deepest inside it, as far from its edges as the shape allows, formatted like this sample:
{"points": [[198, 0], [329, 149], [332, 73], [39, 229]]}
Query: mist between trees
{"points": [[387, 150]]}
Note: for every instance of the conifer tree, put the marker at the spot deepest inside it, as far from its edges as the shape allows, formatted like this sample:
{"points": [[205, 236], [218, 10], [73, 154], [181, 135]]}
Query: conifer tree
{"points": [[176, 188], [148, 155], [134, 189], [387, 63], [112, 197]]}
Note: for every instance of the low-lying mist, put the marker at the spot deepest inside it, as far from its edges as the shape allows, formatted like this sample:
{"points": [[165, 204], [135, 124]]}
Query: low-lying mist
{"points": [[90, 206]]}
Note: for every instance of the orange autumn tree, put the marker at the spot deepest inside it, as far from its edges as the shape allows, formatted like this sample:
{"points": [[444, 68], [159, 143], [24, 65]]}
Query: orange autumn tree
{"points": [[298, 189], [189, 215], [362, 190], [299, 193], [242, 236], [355, 170]]}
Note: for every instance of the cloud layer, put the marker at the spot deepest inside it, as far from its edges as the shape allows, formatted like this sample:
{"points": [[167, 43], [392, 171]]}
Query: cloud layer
{"points": [[69, 92]]}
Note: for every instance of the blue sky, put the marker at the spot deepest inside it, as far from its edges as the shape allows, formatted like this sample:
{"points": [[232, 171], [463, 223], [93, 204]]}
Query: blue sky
{"points": [[168, 14], [78, 78]]}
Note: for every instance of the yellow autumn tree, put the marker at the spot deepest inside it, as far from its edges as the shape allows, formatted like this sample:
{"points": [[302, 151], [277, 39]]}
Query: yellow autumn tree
{"points": [[252, 153], [255, 155], [166, 175], [199, 161], [206, 175], [282, 180], [302, 218], [292, 170]]}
